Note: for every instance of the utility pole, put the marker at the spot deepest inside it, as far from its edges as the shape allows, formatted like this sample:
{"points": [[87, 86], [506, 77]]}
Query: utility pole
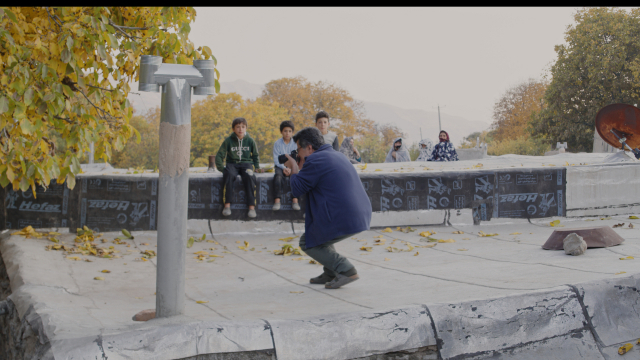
{"points": [[174, 81], [439, 123]]}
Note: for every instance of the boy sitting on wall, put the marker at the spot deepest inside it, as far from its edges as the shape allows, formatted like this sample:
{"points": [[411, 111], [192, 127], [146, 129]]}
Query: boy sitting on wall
{"points": [[284, 145], [241, 155]]}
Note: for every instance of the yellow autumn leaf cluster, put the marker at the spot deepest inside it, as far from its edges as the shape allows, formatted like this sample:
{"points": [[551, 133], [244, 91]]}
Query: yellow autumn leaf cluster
{"points": [[288, 250], [483, 234], [29, 231], [554, 223], [65, 74], [387, 230], [427, 233]]}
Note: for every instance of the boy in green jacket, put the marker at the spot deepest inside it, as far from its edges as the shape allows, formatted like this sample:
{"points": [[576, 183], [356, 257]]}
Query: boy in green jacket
{"points": [[241, 155]]}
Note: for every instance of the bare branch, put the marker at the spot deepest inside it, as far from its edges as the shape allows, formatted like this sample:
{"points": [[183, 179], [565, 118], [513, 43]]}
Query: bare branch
{"points": [[119, 28], [96, 87]]}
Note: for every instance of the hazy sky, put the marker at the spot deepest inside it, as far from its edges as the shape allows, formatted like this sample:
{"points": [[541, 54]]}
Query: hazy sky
{"points": [[414, 58]]}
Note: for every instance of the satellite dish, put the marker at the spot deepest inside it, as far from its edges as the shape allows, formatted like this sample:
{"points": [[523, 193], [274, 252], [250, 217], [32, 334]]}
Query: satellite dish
{"points": [[618, 122]]}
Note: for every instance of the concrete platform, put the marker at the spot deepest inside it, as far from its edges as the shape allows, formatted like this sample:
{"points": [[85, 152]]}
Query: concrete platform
{"points": [[500, 296]]}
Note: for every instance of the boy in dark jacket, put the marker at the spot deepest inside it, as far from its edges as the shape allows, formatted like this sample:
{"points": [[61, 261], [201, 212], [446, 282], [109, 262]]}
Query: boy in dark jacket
{"points": [[241, 155]]}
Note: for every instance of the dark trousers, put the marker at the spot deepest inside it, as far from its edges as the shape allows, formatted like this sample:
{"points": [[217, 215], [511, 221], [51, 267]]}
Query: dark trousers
{"points": [[326, 255], [278, 183], [229, 175]]}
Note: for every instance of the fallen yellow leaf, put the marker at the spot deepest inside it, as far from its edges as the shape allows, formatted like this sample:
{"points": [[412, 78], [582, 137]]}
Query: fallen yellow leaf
{"points": [[106, 271], [627, 258], [312, 261], [366, 248], [296, 292], [515, 233], [387, 230], [98, 278], [287, 239], [481, 233], [466, 239], [378, 170], [202, 302], [633, 217], [554, 222], [458, 232], [625, 348], [214, 255], [621, 272], [446, 241], [416, 254], [386, 259]]}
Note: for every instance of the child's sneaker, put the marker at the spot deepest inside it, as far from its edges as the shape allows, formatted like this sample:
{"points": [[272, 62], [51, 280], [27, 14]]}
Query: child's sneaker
{"points": [[295, 206], [226, 211], [252, 213], [276, 207]]}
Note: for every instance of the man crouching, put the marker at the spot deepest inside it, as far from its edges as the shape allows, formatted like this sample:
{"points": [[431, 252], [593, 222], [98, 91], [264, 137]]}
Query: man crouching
{"points": [[337, 205]]}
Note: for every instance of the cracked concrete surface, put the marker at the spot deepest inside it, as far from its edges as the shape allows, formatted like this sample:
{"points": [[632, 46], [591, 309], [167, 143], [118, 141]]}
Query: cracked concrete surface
{"points": [[482, 298]]}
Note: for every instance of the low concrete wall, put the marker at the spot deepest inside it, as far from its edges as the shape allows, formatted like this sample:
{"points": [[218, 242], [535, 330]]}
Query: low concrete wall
{"points": [[603, 190], [471, 154]]}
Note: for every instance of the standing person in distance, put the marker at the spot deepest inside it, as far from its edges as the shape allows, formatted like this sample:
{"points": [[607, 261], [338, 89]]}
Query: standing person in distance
{"points": [[398, 152], [240, 153], [284, 145], [337, 205], [350, 151], [444, 150], [322, 123]]}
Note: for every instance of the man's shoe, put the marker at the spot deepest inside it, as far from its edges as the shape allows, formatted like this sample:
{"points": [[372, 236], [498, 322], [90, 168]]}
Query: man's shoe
{"points": [[322, 279], [226, 211], [295, 206], [252, 213], [276, 207], [340, 281]]}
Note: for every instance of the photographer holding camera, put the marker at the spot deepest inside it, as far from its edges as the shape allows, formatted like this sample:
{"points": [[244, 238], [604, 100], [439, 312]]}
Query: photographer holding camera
{"points": [[281, 147], [337, 205]]}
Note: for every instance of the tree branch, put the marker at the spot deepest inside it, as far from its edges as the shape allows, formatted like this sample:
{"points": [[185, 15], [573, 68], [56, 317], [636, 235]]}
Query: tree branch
{"points": [[119, 28]]}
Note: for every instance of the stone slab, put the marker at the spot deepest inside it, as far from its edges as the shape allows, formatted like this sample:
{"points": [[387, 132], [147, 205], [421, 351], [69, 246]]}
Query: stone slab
{"points": [[368, 333], [508, 322], [614, 308]]}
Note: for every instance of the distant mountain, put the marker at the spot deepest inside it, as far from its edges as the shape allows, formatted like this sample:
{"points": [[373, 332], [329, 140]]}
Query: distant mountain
{"points": [[408, 120]]}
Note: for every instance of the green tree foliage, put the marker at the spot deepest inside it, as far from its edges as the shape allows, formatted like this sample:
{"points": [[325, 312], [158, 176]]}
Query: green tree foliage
{"points": [[144, 154], [597, 66], [65, 74], [211, 120]]}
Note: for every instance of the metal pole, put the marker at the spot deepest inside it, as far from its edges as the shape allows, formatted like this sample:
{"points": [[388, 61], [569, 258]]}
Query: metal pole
{"points": [[439, 123], [420, 133], [91, 152], [173, 191]]}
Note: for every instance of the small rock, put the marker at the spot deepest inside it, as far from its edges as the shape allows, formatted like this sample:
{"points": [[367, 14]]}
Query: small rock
{"points": [[574, 245], [145, 315]]}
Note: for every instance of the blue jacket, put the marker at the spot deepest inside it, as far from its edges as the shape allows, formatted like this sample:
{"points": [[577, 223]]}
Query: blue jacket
{"points": [[336, 201]]}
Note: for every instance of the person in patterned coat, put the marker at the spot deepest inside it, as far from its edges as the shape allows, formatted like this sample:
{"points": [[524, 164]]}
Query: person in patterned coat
{"points": [[444, 151]]}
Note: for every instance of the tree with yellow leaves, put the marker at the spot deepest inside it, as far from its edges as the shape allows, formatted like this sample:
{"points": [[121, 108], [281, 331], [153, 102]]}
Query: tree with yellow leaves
{"points": [[211, 123], [145, 153], [304, 99], [65, 73]]}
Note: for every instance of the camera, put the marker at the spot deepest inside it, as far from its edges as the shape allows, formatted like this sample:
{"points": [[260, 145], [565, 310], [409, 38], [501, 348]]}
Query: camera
{"points": [[283, 158]]}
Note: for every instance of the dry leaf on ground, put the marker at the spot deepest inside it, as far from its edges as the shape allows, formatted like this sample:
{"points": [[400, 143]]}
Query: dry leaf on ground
{"points": [[625, 348], [202, 302], [387, 230]]}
